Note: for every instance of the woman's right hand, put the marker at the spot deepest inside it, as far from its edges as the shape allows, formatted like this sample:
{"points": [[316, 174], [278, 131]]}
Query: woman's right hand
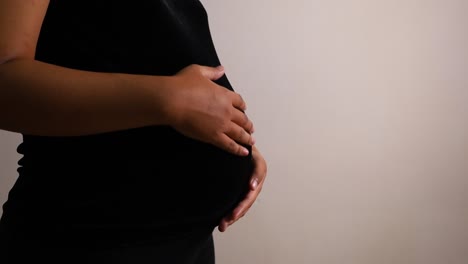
{"points": [[203, 110]]}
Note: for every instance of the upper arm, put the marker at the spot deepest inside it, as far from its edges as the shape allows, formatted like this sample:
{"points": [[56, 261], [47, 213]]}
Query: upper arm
{"points": [[20, 25]]}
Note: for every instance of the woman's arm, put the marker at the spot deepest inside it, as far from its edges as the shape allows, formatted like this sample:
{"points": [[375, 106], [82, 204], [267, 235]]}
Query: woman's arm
{"points": [[43, 99]]}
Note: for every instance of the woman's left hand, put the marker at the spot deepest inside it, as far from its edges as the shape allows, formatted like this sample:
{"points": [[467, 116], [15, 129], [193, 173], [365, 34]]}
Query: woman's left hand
{"points": [[256, 184]]}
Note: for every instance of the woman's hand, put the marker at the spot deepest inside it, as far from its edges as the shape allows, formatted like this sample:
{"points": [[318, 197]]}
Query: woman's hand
{"points": [[205, 111], [258, 178]]}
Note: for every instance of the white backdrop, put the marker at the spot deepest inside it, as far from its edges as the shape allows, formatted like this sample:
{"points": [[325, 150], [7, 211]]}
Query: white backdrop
{"points": [[361, 111]]}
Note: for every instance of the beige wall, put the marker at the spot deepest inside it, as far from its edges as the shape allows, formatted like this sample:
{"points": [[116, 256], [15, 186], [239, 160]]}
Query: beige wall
{"points": [[8, 162], [361, 110]]}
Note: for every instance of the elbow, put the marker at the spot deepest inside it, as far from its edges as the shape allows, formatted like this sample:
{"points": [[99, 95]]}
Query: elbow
{"points": [[6, 61], [7, 56], [16, 51]]}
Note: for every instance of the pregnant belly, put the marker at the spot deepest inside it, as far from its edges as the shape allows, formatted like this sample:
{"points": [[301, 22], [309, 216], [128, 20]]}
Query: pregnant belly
{"points": [[146, 178], [185, 181]]}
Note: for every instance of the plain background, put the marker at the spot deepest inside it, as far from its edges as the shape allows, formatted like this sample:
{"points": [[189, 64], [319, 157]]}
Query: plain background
{"points": [[361, 111]]}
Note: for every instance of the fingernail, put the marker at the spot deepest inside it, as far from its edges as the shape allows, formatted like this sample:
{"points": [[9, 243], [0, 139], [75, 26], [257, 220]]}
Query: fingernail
{"points": [[245, 151], [254, 183], [253, 140]]}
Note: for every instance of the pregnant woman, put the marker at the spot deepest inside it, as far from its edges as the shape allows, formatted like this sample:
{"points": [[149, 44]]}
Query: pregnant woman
{"points": [[135, 146]]}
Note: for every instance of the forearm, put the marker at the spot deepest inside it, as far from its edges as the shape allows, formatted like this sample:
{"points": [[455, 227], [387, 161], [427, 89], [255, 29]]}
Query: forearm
{"points": [[43, 99]]}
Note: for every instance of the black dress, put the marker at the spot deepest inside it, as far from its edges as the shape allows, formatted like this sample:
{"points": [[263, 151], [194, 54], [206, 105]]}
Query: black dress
{"points": [[143, 195]]}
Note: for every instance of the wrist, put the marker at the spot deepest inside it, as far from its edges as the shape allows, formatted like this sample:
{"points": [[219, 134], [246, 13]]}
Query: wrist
{"points": [[167, 97], [156, 97]]}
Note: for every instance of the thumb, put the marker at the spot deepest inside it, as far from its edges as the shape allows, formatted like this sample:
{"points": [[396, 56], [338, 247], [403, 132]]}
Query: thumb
{"points": [[212, 73]]}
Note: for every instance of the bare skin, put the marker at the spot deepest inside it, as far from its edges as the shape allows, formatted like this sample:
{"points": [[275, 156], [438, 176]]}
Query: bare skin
{"points": [[37, 98]]}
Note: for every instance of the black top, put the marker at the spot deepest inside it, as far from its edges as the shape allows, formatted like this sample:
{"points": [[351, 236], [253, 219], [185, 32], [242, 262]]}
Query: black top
{"points": [[150, 178]]}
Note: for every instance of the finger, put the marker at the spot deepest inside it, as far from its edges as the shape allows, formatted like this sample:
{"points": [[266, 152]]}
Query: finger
{"points": [[258, 177], [228, 144], [226, 222], [222, 227], [211, 73], [240, 211], [242, 120], [238, 102], [244, 206], [260, 169], [238, 134]]}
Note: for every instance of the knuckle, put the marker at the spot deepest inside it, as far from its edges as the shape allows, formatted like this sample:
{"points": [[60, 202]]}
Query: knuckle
{"points": [[227, 111], [226, 94], [250, 125], [197, 68], [247, 138], [192, 67], [217, 140], [245, 121], [229, 128], [251, 140], [233, 146], [241, 133]]}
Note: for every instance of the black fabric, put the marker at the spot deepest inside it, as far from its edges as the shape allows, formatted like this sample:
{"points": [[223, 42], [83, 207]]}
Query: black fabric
{"points": [[145, 184], [194, 247]]}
